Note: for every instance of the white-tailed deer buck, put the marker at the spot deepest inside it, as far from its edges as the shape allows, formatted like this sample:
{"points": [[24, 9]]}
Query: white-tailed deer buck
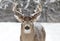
{"points": [[29, 30]]}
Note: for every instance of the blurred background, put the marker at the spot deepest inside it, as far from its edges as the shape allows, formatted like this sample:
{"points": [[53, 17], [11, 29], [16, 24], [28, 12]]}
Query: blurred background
{"points": [[50, 13], [12, 31]]}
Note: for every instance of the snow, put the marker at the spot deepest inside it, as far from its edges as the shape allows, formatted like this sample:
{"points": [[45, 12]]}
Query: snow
{"points": [[9, 31], [52, 0], [0, 0], [12, 31], [52, 31]]}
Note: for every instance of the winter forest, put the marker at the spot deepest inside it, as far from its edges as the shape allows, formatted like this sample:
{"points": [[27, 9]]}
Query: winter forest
{"points": [[10, 28], [50, 10]]}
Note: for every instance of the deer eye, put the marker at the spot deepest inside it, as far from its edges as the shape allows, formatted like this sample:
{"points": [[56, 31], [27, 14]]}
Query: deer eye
{"points": [[27, 27]]}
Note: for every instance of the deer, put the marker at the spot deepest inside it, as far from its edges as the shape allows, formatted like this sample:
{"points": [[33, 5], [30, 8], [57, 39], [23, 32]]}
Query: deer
{"points": [[29, 30]]}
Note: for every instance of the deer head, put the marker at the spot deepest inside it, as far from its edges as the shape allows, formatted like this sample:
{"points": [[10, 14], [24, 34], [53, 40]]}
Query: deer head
{"points": [[27, 21]]}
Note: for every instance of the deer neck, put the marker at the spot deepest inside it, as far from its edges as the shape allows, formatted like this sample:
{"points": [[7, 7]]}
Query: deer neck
{"points": [[27, 37]]}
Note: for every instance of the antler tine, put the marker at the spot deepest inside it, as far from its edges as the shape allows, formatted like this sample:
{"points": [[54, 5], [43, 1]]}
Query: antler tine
{"points": [[15, 9], [18, 12], [14, 6], [39, 9]]}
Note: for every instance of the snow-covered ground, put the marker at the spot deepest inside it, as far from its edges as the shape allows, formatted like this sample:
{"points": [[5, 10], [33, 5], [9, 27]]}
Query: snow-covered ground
{"points": [[52, 31], [0, 0], [11, 31]]}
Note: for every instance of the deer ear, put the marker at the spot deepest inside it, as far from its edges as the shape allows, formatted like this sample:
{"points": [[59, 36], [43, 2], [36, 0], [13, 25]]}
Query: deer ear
{"points": [[19, 18], [36, 17]]}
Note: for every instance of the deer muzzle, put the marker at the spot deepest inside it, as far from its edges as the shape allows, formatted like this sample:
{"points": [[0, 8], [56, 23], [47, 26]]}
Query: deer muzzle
{"points": [[27, 30], [27, 27]]}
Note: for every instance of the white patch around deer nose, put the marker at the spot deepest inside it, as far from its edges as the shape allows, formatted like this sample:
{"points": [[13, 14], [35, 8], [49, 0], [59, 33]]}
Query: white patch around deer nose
{"points": [[27, 31]]}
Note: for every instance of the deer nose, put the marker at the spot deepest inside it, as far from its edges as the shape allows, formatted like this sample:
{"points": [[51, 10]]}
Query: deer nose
{"points": [[27, 27]]}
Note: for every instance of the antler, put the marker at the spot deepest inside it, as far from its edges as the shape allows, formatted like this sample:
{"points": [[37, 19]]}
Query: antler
{"points": [[38, 11], [18, 13], [15, 8]]}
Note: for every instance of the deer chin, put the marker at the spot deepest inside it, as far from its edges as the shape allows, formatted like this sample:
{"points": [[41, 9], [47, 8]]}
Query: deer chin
{"points": [[27, 31]]}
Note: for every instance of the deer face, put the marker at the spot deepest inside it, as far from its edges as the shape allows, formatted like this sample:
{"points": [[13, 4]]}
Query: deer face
{"points": [[27, 27], [27, 24], [27, 21]]}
